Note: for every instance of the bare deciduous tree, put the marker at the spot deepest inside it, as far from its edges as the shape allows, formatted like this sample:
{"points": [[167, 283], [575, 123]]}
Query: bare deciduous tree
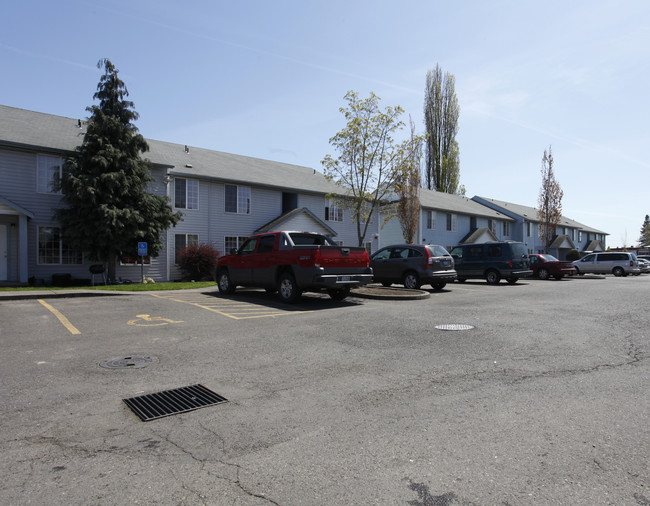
{"points": [[407, 188], [549, 212]]}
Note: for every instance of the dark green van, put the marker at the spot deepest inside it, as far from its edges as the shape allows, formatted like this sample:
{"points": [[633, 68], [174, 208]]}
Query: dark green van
{"points": [[492, 261]]}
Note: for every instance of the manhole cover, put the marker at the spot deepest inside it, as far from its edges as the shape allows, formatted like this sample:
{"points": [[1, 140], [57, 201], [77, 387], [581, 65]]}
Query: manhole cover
{"points": [[172, 402], [131, 362], [454, 326]]}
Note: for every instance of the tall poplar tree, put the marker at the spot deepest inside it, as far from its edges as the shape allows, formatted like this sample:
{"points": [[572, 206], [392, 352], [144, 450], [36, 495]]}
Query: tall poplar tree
{"points": [[407, 187], [104, 184], [441, 112], [549, 212]]}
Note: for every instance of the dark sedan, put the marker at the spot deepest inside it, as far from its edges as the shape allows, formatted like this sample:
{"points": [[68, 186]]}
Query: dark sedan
{"points": [[547, 266], [413, 265]]}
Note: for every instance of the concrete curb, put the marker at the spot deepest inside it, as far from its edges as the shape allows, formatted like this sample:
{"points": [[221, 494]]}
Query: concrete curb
{"points": [[389, 293]]}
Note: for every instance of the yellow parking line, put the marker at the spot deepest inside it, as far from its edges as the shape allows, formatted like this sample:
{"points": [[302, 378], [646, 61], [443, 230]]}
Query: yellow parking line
{"points": [[234, 309], [66, 323]]}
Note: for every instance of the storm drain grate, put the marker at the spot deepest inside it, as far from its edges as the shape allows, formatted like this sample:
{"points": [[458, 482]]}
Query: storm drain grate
{"points": [[454, 326], [172, 402]]}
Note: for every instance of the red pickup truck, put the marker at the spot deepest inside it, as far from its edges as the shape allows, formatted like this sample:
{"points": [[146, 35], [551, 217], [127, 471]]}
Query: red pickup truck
{"points": [[294, 262]]}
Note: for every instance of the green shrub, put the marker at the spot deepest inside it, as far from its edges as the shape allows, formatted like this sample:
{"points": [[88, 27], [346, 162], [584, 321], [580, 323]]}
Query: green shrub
{"points": [[198, 261], [573, 255]]}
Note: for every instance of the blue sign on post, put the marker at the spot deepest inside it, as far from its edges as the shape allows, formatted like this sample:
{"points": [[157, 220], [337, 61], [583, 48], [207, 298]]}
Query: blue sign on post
{"points": [[142, 249]]}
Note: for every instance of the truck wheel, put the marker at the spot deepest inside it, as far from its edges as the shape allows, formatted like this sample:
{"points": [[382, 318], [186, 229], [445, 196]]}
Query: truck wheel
{"points": [[512, 281], [287, 288], [492, 277], [543, 274], [338, 293], [225, 283], [411, 280], [438, 286]]}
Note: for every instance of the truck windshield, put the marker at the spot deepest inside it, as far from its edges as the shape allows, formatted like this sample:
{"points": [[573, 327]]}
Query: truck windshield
{"points": [[310, 240]]}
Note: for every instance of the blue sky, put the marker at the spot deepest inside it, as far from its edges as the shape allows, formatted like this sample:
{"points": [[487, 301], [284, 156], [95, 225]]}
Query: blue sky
{"points": [[267, 78]]}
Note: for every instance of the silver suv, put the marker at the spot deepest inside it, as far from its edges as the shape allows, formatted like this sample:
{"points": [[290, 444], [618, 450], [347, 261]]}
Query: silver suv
{"points": [[616, 263], [413, 265]]}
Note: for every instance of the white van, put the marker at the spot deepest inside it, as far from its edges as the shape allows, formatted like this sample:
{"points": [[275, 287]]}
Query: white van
{"points": [[616, 263]]}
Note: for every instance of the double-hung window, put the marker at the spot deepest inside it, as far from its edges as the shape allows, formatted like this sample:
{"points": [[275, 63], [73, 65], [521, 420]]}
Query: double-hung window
{"points": [[431, 220], [182, 241], [186, 193], [506, 229], [238, 199], [52, 250], [49, 172], [333, 212], [451, 222], [233, 242]]}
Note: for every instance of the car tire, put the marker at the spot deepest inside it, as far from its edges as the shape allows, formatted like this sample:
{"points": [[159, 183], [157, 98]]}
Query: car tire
{"points": [[543, 274], [461, 280], [492, 277], [512, 281], [288, 289], [618, 272], [578, 273], [558, 276], [411, 280], [438, 286], [224, 283], [338, 293]]}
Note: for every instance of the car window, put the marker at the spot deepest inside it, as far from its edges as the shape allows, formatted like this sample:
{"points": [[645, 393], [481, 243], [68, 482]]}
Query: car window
{"points": [[518, 250], [413, 253], [400, 253], [437, 251], [249, 246], [266, 244], [494, 250], [548, 258], [457, 252], [588, 258], [475, 251], [381, 254]]}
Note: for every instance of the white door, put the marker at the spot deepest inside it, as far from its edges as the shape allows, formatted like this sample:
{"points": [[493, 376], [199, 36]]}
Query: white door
{"points": [[4, 252]]}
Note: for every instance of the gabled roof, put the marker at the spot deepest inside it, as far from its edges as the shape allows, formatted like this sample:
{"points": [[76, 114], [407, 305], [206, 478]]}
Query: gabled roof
{"points": [[479, 233], [562, 241], [14, 208], [594, 246], [530, 214], [287, 217], [23, 129], [430, 199]]}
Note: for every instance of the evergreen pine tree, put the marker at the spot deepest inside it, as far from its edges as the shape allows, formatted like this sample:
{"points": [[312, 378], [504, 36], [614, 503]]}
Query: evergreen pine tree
{"points": [[104, 184], [644, 238]]}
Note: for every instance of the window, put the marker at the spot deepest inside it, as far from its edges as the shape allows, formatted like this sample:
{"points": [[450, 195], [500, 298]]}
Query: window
{"points": [[53, 251], [181, 241], [431, 220], [266, 244], [472, 223], [233, 242], [451, 222], [186, 193], [238, 199], [494, 250], [580, 236], [506, 229], [49, 172], [368, 247], [492, 226], [333, 212], [528, 229]]}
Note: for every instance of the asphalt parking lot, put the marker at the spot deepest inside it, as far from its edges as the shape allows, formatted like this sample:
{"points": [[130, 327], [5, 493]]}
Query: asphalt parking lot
{"points": [[544, 400]]}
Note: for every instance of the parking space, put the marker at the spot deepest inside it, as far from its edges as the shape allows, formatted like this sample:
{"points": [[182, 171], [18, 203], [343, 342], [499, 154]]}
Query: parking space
{"points": [[233, 307]]}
